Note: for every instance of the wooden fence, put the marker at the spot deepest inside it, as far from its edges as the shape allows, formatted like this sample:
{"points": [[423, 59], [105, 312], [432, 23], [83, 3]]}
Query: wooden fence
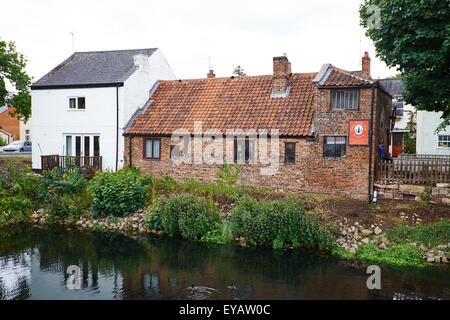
{"points": [[414, 170], [67, 164]]}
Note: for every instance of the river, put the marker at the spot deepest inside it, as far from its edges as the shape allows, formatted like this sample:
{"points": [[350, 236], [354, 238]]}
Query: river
{"points": [[34, 262]]}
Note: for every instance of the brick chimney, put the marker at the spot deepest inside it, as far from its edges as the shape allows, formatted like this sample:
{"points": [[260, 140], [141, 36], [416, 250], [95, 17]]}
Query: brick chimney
{"points": [[210, 74], [366, 64], [281, 72]]}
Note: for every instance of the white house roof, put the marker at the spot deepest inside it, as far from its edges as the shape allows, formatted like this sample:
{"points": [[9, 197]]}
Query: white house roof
{"points": [[92, 69]]}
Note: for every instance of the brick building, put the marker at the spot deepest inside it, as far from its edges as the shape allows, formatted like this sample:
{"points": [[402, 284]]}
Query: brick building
{"points": [[8, 123], [323, 122]]}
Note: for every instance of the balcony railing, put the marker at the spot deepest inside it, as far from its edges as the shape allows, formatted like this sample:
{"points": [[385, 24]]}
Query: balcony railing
{"points": [[67, 164]]}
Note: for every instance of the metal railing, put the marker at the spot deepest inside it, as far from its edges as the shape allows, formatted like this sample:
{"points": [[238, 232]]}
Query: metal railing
{"points": [[67, 164]]}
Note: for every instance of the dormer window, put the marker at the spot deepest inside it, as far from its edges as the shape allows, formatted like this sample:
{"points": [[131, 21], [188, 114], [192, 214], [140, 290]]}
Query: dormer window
{"points": [[77, 103], [345, 99]]}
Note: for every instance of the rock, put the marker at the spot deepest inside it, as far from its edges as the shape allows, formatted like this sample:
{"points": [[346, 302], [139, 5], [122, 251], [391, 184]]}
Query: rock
{"points": [[352, 250], [382, 246], [377, 230], [411, 189], [444, 260], [365, 240], [366, 232], [437, 259], [423, 248], [430, 259]]}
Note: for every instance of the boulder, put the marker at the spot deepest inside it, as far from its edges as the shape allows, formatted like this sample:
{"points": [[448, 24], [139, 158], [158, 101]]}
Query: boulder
{"points": [[366, 232], [411, 189]]}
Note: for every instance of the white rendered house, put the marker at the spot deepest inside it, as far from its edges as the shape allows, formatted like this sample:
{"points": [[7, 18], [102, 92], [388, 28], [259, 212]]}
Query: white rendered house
{"points": [[427, 141], [81, 107]]}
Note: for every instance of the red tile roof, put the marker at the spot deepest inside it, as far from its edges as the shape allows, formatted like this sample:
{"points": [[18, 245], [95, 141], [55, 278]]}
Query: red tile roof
{"points": [[339, 77], [229, 103]]}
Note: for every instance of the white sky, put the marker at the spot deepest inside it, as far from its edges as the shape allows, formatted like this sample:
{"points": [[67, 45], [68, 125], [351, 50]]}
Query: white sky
{"points": [[248, 33]]}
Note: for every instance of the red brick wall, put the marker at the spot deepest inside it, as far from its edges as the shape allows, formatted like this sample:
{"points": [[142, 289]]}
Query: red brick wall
{"points": [[10, 124], [347, 176]]}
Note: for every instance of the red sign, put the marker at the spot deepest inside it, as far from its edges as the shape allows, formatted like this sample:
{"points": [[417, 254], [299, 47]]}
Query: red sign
{"points": [[358, 132]]}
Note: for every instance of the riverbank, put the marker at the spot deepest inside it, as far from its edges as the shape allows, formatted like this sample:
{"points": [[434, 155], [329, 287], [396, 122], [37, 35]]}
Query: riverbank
{"points": [[402, 244], [402, 233]]}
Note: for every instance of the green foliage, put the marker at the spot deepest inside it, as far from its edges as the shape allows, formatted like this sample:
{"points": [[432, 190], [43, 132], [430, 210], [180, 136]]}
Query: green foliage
{"points": [[63, 195], [278, 223], [216, 235], [12, 69], [402, 255], [426, 196], [239, 72], [117, 194], [434, 234], [414, 37], [409, 138], [2, 142], [17, 191], [339, 251], [184, 215], [228, 176]]}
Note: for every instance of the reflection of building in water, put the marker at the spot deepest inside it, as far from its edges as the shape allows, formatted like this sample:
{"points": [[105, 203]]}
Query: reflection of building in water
{"points": [[15, 276]]}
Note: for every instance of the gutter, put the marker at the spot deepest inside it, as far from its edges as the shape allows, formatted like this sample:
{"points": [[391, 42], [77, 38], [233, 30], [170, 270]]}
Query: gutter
{"points": [[371, 144], [77, 86], [117, 126]]}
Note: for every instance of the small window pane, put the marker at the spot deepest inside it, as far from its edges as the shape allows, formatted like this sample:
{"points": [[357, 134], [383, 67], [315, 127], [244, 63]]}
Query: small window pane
{"points": [[334, 147], [78, 146], [81, 103], [96, 146], [72, 103], [148, 148], [290, 152], [68, 145], [155, 148], [87, 148]]}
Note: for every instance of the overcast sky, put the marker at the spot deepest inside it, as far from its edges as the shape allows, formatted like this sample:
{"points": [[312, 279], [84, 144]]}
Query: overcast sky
{"points": [[246, 33]]}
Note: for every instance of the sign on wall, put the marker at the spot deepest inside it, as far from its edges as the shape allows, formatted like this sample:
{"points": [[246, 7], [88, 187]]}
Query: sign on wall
{"points": [[358, 132]]}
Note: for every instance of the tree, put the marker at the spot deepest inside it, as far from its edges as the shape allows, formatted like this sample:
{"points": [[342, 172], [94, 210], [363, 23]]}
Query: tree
{"points": [[12, 71], [239, 72], [414, 36]]}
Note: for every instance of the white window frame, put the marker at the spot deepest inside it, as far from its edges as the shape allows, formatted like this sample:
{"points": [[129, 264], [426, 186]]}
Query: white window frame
{"points": [[82, 137], [448, 141], [76, 103]]}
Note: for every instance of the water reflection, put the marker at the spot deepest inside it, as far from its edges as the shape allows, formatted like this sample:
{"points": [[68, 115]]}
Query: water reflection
{"points": [[33, 264]]}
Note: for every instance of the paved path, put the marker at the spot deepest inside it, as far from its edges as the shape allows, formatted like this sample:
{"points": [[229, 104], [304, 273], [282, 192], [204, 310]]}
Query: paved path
{"points": [[15, 155]]}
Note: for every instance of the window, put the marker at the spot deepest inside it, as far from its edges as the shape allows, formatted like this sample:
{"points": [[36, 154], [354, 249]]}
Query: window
{"points": [[399, 106], [27, 135], [344, 100], [77, 103], [82, 145], [289, 153], [244, 150], [68, 145], [444, 142], [334, 147], [152, 148]]}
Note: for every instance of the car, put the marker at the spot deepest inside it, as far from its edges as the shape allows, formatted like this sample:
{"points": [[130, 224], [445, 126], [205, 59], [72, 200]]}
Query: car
{"points": [[18, 146]]}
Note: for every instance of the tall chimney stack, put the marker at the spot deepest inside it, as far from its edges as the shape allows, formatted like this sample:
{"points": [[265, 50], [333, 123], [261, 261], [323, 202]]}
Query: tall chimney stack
{"points": [[210, 74], [281, 72], [366, 65]]}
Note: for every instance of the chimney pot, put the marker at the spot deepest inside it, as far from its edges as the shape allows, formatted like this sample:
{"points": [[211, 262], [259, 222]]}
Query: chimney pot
{"points": [[366, 65], [210, 74]]}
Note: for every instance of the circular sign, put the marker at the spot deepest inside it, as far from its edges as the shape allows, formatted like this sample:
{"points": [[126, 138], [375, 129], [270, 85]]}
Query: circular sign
{"points": [[359, 129]]}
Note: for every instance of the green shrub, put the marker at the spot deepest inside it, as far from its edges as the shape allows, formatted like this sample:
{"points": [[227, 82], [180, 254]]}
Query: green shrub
{"points": [[184, 215], [402, 255], [278, 223], [117, 194]]}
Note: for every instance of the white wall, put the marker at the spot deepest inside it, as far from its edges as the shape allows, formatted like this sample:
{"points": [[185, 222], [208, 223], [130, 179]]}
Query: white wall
{"points": [[427, 140], [52, 119], [137, 89]]}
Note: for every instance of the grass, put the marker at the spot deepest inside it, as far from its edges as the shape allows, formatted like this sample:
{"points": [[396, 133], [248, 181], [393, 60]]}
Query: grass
{"points": [[433, 233], [405, 255]]}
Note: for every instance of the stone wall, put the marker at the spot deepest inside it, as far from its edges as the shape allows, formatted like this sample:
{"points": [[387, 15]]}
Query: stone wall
{"points": [[439, 194]]}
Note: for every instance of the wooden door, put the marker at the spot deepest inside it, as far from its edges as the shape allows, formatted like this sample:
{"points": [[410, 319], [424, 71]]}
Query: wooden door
{"points": [[397, 145]]}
